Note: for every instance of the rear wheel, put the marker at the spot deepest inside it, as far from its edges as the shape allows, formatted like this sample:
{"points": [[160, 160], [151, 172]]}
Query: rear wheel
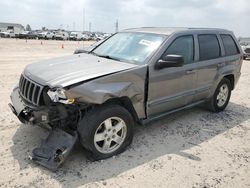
{"points": [[106, 131], [221, 97]]}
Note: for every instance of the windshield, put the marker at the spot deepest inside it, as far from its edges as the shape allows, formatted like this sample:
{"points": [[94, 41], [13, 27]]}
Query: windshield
{"points": [[129, 47]]}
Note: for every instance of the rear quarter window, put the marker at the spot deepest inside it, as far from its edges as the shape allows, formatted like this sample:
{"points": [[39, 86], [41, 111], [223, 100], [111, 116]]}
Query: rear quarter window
{"points": [[209, 47], [229, 45]]}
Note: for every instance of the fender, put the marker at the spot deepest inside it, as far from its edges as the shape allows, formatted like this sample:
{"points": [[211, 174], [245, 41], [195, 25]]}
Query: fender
{"points": [[230, 68], [129, 84]]}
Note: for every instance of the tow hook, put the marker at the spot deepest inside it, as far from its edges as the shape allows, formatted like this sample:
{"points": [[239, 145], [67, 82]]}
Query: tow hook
{"points": [[55, 149]]}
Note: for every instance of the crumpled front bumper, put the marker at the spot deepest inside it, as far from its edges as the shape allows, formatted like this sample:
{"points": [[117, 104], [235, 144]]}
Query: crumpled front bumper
{"points": [[55, 149], [17, 106], [35, 115], [57, 146], [28, 113]]}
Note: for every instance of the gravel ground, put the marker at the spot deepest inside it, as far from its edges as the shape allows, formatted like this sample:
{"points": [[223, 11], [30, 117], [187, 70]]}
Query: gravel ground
{"points": [[192, 148]]}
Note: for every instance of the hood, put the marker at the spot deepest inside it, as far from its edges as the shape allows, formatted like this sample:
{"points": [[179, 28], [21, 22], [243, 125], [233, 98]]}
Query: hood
{"points": [[65, 71]]}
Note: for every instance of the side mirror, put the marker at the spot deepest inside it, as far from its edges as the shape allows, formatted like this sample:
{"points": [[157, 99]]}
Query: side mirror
{"points": [[170, 61]]}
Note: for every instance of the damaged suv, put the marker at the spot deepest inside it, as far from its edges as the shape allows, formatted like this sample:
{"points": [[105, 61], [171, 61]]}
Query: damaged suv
{"points": [[135, 76]]}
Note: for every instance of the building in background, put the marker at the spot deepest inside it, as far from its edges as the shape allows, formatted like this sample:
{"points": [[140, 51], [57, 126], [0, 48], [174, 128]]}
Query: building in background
{"points": [[11, 27]]}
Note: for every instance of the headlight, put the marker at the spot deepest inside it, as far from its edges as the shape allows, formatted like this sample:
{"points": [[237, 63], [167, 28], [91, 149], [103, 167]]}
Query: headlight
{"points": [[59, 96]]}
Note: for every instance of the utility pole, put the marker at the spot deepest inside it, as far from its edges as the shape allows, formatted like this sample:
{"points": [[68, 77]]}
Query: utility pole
{"points": [[116, 26], [83, 24], [89, 26], [83, 20]]}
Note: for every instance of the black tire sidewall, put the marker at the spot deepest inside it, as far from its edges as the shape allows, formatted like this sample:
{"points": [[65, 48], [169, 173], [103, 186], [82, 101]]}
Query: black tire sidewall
{"points": [[89, 124], [215, 105]]}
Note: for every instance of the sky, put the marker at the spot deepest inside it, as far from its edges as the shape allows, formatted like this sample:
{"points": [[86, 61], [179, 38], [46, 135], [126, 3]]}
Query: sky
{"points": [[102, 14]]}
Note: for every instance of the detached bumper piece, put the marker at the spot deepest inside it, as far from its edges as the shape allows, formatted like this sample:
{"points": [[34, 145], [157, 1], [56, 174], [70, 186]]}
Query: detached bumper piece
{"points": [[55, 149]]}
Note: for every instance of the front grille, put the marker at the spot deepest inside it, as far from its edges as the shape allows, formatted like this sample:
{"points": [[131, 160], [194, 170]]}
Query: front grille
{"points": [[30, 90], [247, 50]]}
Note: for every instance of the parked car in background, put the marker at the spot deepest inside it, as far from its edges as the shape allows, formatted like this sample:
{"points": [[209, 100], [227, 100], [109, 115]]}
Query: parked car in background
{"points": [[99, 37], [135, 76], [62, 35], [12, 34], [106, 35], [4, 34], [86, 37], [246, 49], [89, 48], [7, 34], [75, 35], [46, 35], [28, 35]]}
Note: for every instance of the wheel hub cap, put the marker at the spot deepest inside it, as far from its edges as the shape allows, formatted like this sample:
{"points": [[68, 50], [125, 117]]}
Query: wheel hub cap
{"points": [[222, 95], [110, 135]]}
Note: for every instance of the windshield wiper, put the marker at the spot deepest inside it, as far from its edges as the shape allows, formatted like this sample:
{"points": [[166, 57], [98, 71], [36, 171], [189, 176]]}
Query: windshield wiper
{"points": [[108, 57], [105, 56], [91, 52]]}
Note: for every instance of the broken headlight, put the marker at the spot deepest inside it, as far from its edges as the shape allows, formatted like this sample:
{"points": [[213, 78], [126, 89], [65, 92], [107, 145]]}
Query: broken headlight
{"points": [[58, 95]]}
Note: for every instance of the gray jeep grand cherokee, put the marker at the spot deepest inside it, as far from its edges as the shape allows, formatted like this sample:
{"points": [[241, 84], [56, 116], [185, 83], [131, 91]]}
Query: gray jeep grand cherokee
{"points": [[135, 76]]}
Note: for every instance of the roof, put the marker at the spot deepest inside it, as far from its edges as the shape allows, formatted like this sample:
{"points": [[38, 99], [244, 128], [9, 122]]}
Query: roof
{"points": [[168, 30], [3, 24]]}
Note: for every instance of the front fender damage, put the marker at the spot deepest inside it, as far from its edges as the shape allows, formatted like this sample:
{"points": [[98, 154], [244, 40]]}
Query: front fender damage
{"points": [[130, 84]]}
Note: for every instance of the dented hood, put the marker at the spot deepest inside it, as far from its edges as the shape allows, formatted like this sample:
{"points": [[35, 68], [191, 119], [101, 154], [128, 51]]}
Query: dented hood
{"points": [[65, 71]]}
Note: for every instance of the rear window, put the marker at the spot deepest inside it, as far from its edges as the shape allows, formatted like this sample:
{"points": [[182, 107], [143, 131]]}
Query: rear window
{"points": [[209, 47], [229, 45]]}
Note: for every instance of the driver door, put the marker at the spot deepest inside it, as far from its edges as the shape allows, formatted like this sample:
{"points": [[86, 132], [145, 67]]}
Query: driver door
{"points": [[173, 87]]}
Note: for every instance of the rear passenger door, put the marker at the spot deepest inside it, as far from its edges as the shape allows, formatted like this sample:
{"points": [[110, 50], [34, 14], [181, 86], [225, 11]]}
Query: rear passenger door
{"points": [[210, 60]]}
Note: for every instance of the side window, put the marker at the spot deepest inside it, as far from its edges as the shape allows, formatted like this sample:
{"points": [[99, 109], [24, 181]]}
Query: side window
{"points": [[209, 47], [182, 46], [229, 45]]}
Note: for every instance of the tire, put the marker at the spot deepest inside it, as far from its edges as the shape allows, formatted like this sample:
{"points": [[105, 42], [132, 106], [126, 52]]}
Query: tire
{"points": [[98, 136], [220, 98]]}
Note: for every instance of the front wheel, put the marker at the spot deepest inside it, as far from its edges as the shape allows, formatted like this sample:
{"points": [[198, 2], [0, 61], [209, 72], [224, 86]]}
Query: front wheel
{"points": [[106, 131], [221, 97]]}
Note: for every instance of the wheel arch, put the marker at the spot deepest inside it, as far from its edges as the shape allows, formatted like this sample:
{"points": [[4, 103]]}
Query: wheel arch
{"points": [[127, 104], [231, 78]]}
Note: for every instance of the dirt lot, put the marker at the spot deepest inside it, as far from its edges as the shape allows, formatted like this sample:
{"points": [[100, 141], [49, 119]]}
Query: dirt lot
{"points": [[193, 148]]}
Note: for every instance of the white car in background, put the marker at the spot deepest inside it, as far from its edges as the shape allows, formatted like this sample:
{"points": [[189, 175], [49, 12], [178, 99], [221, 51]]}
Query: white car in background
{"points": [[46, 35], [62, 35], [246, 49], [7, 34], [85, 37], [4, 34], [76, 35]]}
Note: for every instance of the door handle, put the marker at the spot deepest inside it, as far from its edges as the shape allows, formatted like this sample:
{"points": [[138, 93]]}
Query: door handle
{"points": [[190, 71]]}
